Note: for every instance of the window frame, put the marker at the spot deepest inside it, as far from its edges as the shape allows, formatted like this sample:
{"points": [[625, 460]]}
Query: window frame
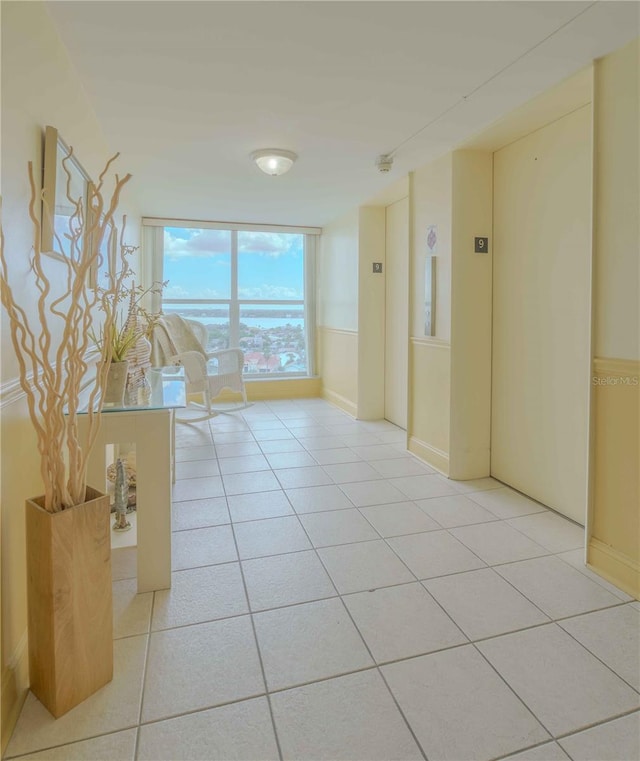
{"points": [[153, 246]]}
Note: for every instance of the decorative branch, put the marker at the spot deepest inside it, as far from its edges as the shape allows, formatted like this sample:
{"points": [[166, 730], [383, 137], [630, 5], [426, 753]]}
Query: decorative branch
{"points": [[51, 350]]}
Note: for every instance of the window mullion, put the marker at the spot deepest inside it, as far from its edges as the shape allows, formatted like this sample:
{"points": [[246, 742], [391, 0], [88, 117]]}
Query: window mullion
{"points": [[234, 307], [309, 301]]}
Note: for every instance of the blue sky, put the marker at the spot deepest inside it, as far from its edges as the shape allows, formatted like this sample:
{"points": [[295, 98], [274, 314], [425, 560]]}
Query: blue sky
{"points": [[197, 264]]}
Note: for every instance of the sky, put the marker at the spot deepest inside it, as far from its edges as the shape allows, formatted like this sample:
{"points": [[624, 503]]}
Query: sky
{"points": [[197, 264]]}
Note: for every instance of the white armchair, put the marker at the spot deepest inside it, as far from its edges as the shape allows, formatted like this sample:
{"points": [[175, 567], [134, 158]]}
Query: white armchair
{"points": [[177, 341]]}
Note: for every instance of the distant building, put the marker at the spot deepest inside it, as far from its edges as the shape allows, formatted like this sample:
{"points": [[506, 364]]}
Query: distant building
{"points": [[256, 362]]}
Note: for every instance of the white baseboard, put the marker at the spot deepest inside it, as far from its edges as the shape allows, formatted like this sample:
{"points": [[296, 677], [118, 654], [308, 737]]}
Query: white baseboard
{"points": [[340, 401], [15, 687], [434, 457]]}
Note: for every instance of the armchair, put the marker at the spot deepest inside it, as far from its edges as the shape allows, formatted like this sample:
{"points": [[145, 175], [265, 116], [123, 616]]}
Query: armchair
{"points": [[177, 341]]}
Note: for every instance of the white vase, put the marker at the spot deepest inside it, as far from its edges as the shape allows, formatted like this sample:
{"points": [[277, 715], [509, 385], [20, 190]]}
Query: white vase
{"points": [[116, 384]]}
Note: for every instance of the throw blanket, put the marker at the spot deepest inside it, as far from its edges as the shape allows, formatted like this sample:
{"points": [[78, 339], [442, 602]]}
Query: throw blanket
{"points": [[173, 335]]}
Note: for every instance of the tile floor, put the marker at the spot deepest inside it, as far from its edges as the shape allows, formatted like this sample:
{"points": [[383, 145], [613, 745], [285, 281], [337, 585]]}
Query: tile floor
{"points": [[334, 598]]}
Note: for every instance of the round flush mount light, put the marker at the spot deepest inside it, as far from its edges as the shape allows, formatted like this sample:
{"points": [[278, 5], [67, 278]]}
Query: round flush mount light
{"points": [[274, 161]]}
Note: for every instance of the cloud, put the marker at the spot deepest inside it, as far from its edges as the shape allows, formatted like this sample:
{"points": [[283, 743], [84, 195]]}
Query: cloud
{"points": [[274, 292], [200, 243], [185, 242], [178, 292], [269, 244]]}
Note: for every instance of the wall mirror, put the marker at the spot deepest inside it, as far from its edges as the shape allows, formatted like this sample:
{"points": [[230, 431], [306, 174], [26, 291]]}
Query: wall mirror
{"points": [[430, 296], [63, 184]]}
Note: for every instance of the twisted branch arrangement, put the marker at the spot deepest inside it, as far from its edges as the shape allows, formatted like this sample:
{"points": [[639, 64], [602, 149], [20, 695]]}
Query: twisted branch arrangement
{"points": [[51, 369]]}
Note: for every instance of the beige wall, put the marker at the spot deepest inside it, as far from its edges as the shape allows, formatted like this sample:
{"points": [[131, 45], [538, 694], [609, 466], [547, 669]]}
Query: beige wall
{"points": [[450, 373], [430, 401], [396, 336], [430, 204], [617, 200], [350, 353], [338, 360], [39, 87], [337, 274], [471, 303], [614, 531], [430, 198], [337, 311], [371, 313], [614, 525]]}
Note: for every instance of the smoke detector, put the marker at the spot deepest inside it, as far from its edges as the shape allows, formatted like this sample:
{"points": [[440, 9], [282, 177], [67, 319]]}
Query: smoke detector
{"points": [[384, 162]]}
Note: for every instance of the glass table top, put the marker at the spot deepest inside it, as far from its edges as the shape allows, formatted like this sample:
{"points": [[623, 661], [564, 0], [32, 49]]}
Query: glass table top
{"points": [[167, 391]]}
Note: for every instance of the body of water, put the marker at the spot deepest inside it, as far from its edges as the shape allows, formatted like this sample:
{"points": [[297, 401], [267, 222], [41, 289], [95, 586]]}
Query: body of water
{"points": [[252, 322]]}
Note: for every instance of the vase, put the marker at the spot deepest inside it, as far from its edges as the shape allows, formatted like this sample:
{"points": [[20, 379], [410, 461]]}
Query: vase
{"points": [[138, 390], [116, 384], [69, 597]]}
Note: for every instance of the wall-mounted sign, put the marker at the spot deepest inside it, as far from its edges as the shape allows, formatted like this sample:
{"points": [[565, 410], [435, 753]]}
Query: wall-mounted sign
{"points": [[377, 267], [481, 245]]}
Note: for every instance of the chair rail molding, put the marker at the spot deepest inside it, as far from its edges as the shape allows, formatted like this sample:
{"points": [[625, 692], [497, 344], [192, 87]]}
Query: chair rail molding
{"points": [[342, 331], [11, 391], [436, 343]]}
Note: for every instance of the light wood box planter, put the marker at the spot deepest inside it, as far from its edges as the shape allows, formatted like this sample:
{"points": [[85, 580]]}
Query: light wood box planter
{"points": [[69, 601]]}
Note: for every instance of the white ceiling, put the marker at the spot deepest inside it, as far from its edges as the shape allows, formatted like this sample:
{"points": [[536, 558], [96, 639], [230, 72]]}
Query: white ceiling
{"points": [[186, 90]]}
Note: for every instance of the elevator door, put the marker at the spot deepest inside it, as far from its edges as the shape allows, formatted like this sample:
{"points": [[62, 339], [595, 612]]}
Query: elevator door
{"points": [[541, 313]]}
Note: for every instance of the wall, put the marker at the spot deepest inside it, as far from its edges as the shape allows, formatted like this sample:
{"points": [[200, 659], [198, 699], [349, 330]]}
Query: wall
{"points": [[371, 312], [471, 302], [450, 373], [614, 526], [351, 307], [430, 203], [39, 87], [396, 306], [617, 199], [337, 311]]}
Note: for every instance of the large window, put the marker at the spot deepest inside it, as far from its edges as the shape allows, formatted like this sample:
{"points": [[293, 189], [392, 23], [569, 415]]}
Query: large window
{"points": [[249, 287]]}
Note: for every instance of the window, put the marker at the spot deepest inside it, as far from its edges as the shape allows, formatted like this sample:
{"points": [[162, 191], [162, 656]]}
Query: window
{"points": [[250, 287]]}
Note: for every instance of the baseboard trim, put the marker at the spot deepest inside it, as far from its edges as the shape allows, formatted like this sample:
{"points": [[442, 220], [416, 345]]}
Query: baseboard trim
{"points": [[614, 566], [282, 388], [340, 401], [15, 687], [433, 456]]}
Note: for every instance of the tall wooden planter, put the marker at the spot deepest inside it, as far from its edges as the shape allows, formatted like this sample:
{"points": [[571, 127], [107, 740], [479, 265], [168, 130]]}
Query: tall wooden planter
{"points": [[69, 601]]}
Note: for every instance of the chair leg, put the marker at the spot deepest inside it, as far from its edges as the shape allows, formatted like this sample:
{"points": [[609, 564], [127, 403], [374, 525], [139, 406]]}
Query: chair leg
{"points": [[235, 408], [206, 407]]}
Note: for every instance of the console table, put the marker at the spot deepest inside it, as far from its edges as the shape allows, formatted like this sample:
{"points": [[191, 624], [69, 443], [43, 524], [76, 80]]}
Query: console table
{"points": [[151, 427]]}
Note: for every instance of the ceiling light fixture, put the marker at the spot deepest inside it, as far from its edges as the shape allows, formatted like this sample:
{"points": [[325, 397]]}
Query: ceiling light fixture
{"points": [[274, 161]]}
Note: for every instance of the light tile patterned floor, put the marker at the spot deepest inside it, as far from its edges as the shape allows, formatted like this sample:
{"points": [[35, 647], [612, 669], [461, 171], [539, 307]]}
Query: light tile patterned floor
{"points": [[335, 598]]}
